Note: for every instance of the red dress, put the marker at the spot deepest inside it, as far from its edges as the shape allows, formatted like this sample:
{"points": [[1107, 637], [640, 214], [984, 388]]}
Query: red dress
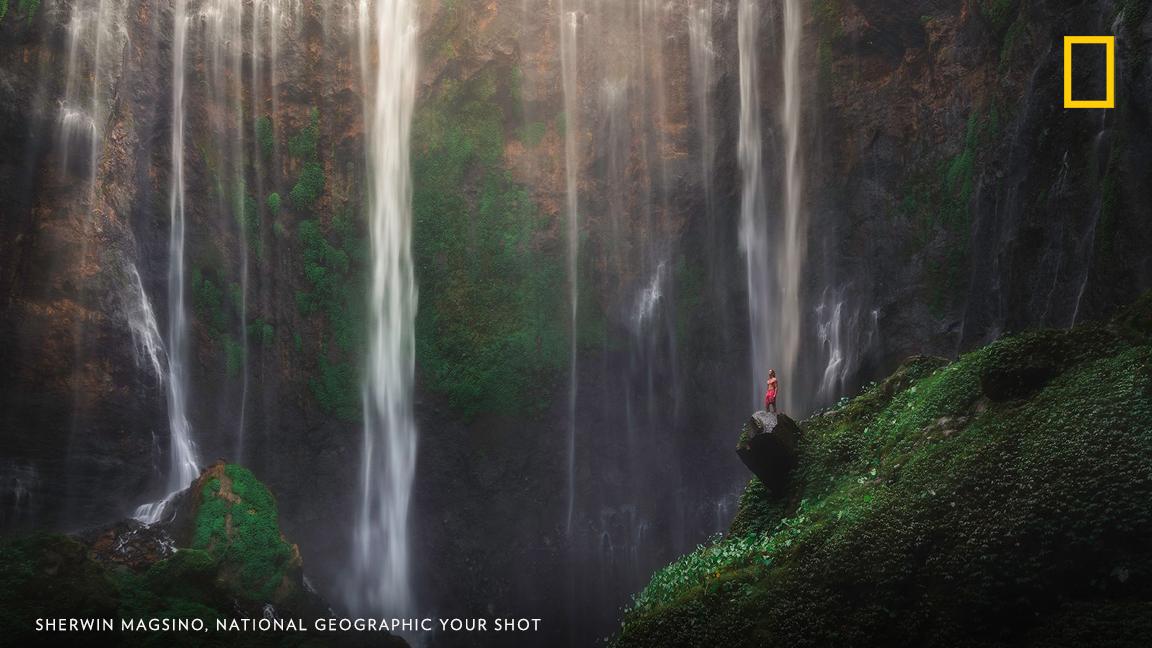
{"points": [[770, 396]]}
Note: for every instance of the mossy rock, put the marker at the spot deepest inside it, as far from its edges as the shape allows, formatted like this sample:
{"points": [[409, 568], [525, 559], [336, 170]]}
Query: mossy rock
{"points": [[231, 560], [237, 524]]}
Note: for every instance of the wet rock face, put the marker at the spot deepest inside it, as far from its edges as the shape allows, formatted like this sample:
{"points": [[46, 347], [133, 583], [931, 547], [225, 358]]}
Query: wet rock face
{"points": [[958, 195], [767, 447], [129, 543]]}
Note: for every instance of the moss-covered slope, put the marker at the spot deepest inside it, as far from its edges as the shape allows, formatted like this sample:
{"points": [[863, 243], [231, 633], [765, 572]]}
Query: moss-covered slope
{"points": [[1002, 499]]}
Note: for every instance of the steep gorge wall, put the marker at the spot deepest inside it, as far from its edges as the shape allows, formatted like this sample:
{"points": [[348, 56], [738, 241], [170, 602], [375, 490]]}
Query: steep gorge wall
{"points": [[950, 198]]}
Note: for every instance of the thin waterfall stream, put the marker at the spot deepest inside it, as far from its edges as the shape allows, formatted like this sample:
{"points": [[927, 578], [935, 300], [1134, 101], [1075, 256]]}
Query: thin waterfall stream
{"points": [[569, 67], [183, 463]]}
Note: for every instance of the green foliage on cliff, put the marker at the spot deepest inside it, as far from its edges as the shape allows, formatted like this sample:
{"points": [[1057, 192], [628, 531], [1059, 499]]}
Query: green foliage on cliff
{"points": [[1001, 499], [273, 203], [208, 303], [303, 144], [998, 13], [939, 205], [3, 9], [309, 187], [489, 332], [333, 265], [265, 135]]}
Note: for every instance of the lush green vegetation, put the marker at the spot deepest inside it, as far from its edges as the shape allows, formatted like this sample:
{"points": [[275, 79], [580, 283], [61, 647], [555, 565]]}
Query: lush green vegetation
{"points": [[27, 8], [237, 524], [309, 187], [489, 332], [333, 270], [265, 135], [1001, 499]]}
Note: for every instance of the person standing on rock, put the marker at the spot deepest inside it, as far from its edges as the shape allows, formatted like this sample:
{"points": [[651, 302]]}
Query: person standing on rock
{"points": [[770, 395]]}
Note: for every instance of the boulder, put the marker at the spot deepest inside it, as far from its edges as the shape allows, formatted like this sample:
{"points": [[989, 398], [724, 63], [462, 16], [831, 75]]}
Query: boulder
{"points": [[767, 447]]}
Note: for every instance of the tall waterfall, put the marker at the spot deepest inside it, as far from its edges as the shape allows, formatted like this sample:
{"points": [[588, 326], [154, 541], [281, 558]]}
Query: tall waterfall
{"points": [[753, 207], [183, 465], [791, 248], [569, 65], [380, 582], [223, 44], [183, 452], [775, 255]]}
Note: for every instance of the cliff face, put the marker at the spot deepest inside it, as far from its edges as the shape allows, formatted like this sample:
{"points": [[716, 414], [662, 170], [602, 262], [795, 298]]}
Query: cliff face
{"points": [[958, 197]]}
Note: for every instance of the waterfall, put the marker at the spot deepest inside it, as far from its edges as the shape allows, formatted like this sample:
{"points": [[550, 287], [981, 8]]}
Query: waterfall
{"points": [[224, 41], [141, 321], [775, 256], [96, 38], [183, 464], [569, 65], [702, 59], [753, 209], [792, 246], [380, 582]]}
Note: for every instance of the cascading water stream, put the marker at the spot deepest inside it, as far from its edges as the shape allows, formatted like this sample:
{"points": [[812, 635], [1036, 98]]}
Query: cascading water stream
{"points": [[774, 256], [569, 65], [791, 248], [380, 581], [702, 59], [753, 208], [183, 464]]}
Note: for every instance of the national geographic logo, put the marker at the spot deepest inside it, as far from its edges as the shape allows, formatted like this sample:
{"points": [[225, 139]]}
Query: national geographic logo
{"points": [[1086, 91]]}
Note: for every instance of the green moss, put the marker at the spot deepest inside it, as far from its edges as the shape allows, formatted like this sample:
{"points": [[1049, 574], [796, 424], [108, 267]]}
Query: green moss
{"points": [[208, 303], [489, 331], [273, 203], [302, 145], [930, 515], [27, 8], [237, 525], [265, 135], [3, 9], [998, 13], [262, 332], [533, 133], [1111, 208], [336, 387], [333, 264], [233, 355], [945, 273], [309, 186]]}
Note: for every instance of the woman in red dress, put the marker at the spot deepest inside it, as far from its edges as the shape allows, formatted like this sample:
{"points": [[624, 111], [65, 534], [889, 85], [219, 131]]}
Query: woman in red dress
{"points": [[770, 395]]}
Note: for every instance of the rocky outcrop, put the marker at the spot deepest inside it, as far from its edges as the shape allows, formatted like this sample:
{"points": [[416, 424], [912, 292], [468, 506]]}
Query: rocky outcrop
{"points": [[767, 447]]}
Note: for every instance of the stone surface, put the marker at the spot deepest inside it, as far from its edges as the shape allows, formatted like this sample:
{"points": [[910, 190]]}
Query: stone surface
{"points": [[767, 447]]}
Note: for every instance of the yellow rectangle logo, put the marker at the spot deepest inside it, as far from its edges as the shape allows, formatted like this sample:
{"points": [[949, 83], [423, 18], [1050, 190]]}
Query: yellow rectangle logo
{"points": [[1109, 43]]}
